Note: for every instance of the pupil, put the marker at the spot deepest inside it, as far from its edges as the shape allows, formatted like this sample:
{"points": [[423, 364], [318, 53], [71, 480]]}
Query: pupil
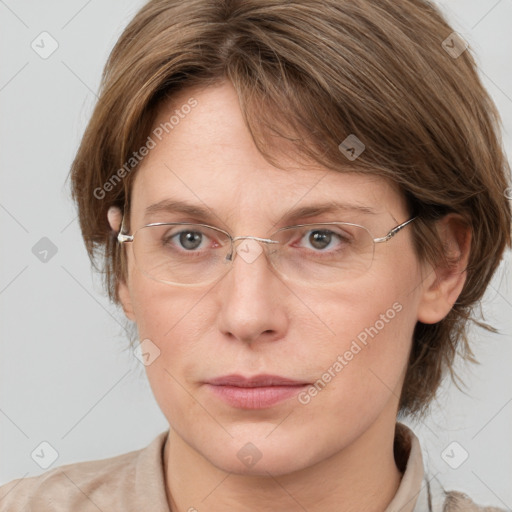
{"points": [[320, 239], [189, 239]]}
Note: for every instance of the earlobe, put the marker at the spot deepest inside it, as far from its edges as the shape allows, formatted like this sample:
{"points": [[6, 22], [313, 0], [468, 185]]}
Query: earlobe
{"points": [[444, 283]]}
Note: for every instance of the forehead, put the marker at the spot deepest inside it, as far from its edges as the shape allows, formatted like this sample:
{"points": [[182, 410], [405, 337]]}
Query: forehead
{"points": [[205, 155]]}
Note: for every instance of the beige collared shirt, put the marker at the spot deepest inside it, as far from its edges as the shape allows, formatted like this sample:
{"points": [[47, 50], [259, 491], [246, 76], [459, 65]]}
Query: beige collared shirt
{"points": [[135, 482]]}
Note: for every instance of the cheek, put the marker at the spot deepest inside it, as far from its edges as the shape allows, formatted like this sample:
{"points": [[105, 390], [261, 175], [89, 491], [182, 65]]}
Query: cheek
{"points": [[171, 320], [160, 309], [371, 328], [174, 320], [369, 332]]}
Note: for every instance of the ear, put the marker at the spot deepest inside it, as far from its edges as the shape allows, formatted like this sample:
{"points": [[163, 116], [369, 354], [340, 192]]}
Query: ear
{"points": [[115, 216], [443, 286]]}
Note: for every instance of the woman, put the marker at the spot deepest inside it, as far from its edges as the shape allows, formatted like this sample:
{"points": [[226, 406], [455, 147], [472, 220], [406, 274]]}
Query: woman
{"points": [[299, 205]]}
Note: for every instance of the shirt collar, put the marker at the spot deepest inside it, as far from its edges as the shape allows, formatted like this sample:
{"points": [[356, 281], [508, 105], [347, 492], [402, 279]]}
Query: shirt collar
{"points": [[410, 461], [416, 493]]}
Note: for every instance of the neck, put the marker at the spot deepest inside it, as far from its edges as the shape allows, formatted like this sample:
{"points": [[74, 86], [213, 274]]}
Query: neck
{"points": [[361, 477]]}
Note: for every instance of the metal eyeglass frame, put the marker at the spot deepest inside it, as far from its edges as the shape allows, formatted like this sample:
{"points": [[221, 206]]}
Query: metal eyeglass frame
{"points": [[125, 238]]}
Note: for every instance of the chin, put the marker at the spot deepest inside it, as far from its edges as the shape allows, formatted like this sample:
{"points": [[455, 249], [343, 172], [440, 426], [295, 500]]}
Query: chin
{"points": [[262, 457], [275, 465]]}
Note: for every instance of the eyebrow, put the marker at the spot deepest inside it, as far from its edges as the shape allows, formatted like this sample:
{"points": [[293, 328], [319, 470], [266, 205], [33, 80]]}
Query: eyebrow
{"points": [[303, 212]]}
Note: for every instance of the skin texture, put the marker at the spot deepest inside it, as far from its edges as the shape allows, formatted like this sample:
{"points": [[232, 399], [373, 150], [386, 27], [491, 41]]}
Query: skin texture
{"points": [[335, 452]]}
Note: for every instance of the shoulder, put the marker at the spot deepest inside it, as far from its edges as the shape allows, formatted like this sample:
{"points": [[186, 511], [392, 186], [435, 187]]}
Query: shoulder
{"points": [[106, 484], [459, 502], [69, 486]]}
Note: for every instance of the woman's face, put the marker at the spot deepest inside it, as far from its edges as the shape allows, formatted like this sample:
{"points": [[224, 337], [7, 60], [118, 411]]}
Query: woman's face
{"points": [[354, 336]]}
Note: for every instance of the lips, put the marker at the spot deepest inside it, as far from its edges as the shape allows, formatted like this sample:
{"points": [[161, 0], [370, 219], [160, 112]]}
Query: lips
{"points": [[256, 381], [257, 392]]}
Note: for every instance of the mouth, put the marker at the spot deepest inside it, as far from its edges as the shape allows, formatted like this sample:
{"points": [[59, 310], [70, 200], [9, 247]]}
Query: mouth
{"points": [[257, 392]]}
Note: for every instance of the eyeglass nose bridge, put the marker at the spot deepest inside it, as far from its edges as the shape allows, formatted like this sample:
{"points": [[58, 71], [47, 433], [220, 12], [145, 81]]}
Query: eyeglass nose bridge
{"points": [[229, 257]]}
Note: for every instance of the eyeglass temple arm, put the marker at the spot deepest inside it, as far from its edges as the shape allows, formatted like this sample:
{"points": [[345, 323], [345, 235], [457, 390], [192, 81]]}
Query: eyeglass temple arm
{"points": [[393, 232], [121, 236]]}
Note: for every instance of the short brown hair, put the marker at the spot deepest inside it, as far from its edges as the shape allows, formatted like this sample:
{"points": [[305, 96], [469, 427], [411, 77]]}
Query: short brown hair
{"points": [[314, 72]]}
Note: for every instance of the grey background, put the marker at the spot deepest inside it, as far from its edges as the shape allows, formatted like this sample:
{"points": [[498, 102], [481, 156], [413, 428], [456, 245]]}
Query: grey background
{"points": [[65, 374]]}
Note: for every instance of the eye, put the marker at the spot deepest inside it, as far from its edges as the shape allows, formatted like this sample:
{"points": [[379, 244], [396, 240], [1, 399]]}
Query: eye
{"points": [[190, 240], [187, 239], [321, 239]]}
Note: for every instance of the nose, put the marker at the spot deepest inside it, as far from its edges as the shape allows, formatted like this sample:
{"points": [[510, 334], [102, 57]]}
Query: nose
{"points": [[251, 297]]}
